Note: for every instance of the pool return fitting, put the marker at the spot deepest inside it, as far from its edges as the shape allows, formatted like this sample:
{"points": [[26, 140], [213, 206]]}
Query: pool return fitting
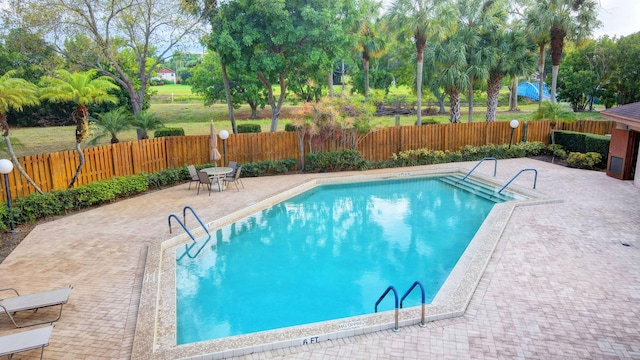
{"points": [[395, 293]]}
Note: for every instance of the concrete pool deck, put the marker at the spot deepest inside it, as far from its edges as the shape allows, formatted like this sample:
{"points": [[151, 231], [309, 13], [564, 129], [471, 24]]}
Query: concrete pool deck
{"points": [[560, 284]]}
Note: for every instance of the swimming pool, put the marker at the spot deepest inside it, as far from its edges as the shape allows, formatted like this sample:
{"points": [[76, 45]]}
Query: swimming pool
{"points": [[155, 331], [325, 254]]}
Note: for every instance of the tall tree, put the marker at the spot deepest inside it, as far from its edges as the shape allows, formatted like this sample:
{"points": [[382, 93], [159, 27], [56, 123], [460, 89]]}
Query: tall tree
{"points": [[513, 57], [149, 29], [81, 89], [563, 18], [453, 76], [421, 20], [272, 39], [370, 42], [15, 94], [537, 26], [478, 19]]}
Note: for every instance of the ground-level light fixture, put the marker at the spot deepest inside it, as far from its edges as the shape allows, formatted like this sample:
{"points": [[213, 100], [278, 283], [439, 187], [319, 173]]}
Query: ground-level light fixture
{"points": [[514, 124], [6, 166], [224, 135]]}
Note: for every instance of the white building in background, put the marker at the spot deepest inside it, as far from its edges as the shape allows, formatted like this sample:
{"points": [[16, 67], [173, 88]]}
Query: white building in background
{"points": [[167, 74]]}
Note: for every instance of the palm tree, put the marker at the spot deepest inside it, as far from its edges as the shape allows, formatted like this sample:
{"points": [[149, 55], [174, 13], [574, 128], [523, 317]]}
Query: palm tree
{"points": [[537, 26], [145, 122], [553, 112], [421, 20], [372, 46], [453, 77], [110, 124], [561, 18], [16, 93], [478, 19], [514, 58], [81, 88], [369, 42]]}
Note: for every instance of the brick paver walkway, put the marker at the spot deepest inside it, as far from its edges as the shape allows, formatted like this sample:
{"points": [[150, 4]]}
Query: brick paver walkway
{"points": [[561, 283]]}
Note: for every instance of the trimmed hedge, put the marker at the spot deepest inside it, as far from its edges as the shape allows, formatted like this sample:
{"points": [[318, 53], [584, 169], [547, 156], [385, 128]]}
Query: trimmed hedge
{"points": [[60, 202], [573, 141], [248, 128], [168, 131]]}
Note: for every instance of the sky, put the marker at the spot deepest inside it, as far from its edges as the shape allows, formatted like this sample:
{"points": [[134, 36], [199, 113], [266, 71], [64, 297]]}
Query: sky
{"points": [[619, 18]]}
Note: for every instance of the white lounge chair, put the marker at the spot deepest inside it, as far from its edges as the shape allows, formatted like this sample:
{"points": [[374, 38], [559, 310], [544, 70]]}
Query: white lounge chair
{"points": [[33, 302], [25, 341]]}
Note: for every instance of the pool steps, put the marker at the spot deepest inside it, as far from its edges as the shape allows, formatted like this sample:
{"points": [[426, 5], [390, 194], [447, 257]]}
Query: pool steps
{"points": [[476, 187]]}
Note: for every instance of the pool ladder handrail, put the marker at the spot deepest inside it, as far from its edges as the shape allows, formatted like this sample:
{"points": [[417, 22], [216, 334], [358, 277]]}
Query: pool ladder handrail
{"points": [[184, 222], [187, 249], [495, 167], [183, 225], [395, 293], [416, 283], [535, 178]]}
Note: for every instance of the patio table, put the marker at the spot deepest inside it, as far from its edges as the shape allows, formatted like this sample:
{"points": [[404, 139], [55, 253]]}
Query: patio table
{"points": [[219, 172]]}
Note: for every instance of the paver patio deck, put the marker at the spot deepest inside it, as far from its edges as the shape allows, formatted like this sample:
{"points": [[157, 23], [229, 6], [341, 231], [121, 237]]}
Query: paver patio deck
{"points": [[561, 282]]}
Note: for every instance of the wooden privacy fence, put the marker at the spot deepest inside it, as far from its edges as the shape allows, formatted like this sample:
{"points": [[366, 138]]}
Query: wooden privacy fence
{"points": [[53, 171]]}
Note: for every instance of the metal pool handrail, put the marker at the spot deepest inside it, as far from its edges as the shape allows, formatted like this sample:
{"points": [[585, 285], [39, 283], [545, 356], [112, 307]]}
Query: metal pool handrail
{"points": [[495, 167], [395, 293], [181, 224], [535, 178], [417, 283], [184, 217]]}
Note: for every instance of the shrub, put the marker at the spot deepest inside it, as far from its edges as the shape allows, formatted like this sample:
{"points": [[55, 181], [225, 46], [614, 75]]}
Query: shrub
{"points": [[289, 127], [168, 131], [589, 160], [333, 161], [37, 206], [583, 142], [261, 168], [597, 143], [249, 128], [467, 153]]}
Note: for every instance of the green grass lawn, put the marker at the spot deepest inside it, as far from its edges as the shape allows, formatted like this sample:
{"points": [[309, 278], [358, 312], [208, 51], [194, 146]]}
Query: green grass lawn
{"points": [[190, 114]]}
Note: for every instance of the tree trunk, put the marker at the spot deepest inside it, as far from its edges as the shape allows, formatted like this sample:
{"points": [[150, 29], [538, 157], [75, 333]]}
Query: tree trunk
{"points": [[557, 44], [82, 132], [330, 84], [420, 50], [454, 98], [470, 95], [272, 101], [365, 65], [493, 91], [227, 93], [342, 77], [513, 96], [541, 74], [14, 159], [554, 81], [81, 157], [254, 109]]}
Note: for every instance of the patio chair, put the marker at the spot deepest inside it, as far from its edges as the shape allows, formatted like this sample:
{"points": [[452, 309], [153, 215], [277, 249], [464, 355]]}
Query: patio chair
{"points": [[25, 341], [232, 175], [33, 302], [204, 179], [235, 178], [194, 175]]}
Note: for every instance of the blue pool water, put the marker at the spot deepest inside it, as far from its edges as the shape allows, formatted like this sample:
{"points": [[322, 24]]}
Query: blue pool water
{"points": [[328, 253]]}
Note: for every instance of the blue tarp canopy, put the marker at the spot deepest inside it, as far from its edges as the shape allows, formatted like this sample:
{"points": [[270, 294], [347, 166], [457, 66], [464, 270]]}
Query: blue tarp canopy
{"points": [[530, 90]]}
